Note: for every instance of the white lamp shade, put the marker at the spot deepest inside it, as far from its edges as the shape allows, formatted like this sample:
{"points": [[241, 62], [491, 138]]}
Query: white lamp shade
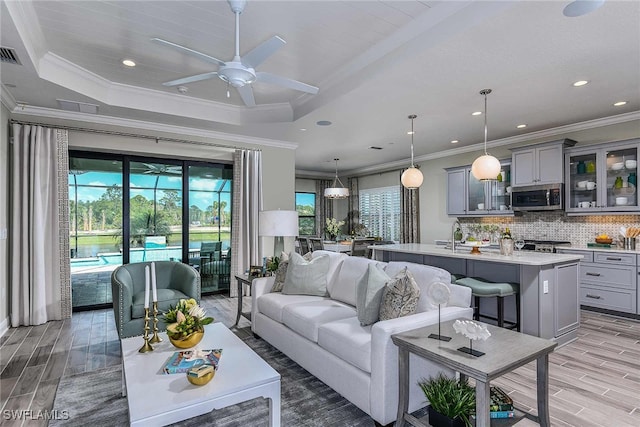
{"points": [[412, 178], [336, 193], [278, 223], [485, 167]]}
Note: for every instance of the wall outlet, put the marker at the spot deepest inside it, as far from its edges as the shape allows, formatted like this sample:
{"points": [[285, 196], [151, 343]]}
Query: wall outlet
{"points": [[545, 286], [3, 233]]}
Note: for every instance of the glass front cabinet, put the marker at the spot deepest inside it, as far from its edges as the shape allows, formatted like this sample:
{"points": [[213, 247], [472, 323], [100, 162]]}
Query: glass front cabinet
{"points": [[602, 178], [468, 196]]}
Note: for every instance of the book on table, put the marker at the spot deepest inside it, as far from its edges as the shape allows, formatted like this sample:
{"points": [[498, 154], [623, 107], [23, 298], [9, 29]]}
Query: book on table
{"points": [[502, 414], [499, 400], [182, 361]]}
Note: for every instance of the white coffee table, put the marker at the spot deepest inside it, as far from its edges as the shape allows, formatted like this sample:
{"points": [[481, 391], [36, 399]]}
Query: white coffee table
{"points": [[157, 399]]}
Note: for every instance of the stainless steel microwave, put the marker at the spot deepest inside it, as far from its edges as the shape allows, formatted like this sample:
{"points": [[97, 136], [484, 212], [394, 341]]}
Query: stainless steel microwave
{"points": [[546, 197]]}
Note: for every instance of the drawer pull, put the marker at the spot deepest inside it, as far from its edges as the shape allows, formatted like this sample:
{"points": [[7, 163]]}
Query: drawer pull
{"points": [[593, 274], [593, 296], [610, 258]]}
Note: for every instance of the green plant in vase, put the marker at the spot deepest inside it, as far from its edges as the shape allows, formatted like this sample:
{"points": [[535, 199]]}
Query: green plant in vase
{"points": [[449, 397]]}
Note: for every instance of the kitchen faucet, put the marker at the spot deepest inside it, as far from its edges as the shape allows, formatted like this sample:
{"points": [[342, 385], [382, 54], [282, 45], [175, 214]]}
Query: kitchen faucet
{"points": [[453, 234]]}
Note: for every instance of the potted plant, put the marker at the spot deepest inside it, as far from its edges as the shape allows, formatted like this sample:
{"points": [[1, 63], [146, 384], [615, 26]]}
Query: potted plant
{"points": [[451, 401]]}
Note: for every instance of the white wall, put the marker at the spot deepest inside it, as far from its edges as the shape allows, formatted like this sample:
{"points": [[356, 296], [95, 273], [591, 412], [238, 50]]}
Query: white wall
{"points": [[4, 219]]}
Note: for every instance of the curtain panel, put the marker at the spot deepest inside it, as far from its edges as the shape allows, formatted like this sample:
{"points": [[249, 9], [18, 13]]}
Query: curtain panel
{"points": [[247, 204], [409, 215], [40, 288], [353, 212], [324, 206]]}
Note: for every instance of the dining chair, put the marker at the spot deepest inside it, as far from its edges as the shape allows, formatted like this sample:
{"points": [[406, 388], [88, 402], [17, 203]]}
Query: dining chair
{"points": [[303, 245], [360, 247], [315, 244]]}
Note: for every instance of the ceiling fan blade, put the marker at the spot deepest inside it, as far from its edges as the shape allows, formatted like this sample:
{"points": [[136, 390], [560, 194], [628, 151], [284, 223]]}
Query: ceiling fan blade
{"points": [[285, 82], [246, 93], [191, 79], [258, 54], [189, 51]]}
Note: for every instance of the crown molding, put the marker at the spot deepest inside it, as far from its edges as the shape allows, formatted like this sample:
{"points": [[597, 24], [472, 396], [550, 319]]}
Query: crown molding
{"points": [[512, 140], [7, 99], [307, 174], [26, 21], [52, 113]]}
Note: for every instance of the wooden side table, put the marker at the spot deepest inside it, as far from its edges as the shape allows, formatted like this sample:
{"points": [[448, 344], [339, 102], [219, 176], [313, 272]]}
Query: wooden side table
{"points": [[242, 279], [504, 351]]}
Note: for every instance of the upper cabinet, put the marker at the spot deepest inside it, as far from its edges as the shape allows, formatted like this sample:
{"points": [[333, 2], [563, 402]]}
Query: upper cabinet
{"points": [[539, 164], [468, 196], [602, 178]]}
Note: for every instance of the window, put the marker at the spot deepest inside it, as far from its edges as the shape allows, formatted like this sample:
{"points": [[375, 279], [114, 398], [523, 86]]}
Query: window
{"points": [[380, 211], [306, 207]]}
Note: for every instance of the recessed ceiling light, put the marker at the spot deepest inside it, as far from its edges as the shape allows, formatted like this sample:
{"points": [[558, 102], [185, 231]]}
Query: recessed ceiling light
{"points": [[620, 103], [323, 123], [410, 132], [303, 129], [522, 126], [455, 141], [580, 83], [128, 63], [476, 113]]}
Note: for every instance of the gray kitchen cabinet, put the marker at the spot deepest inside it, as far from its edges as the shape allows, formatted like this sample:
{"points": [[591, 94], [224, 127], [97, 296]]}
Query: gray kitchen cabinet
{"points": [[538, 164], [466, 196], [602, 178]]}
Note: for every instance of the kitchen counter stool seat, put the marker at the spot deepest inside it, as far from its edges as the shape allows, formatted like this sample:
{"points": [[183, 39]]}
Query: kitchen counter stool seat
{"points": [[484, 289]]}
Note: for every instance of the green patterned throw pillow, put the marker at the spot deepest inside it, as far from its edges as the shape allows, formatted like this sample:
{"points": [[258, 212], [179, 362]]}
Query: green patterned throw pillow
{"points": [[400, 297]]}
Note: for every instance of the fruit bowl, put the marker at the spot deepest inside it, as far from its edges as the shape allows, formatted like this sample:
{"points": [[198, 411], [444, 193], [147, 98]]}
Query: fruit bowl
{"points": [[603, 240]]}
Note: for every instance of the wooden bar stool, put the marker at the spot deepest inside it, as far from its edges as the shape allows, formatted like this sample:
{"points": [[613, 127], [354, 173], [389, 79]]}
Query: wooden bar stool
{"points": [[484, 289]]}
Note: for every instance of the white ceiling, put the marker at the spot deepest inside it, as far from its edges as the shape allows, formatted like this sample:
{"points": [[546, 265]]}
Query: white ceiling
{"points": [[375, 63]]}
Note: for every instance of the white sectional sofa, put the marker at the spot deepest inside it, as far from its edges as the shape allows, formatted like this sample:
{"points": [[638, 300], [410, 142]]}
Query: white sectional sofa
{"points": [[324, 336]]}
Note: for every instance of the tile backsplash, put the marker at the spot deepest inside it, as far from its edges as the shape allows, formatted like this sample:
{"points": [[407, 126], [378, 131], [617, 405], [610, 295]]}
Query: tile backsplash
{"points": [[579, 230]]}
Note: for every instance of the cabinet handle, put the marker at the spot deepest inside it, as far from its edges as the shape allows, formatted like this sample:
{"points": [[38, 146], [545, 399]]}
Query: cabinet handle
{"points": [[610, 258], [593, 296], [593, 274]]}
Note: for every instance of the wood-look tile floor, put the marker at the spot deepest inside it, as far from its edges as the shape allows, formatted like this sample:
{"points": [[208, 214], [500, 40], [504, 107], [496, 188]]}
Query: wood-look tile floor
{"points": [[594, 381]]}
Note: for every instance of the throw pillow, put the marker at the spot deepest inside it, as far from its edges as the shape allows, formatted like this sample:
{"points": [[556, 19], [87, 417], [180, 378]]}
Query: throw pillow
{"points": [[400, 296], [369, 291], [306, 277], [281, 271]]}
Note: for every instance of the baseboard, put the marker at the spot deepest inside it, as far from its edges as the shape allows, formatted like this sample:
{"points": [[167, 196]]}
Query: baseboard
{"points": [[4, 326]]}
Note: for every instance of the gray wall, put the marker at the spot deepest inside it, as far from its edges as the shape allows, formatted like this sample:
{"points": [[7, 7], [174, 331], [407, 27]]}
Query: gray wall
{"points": [[4, 218]]}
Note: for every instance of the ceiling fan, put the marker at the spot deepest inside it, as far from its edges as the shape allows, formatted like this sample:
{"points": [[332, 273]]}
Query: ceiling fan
{"points": [[240, 71], [158, 169]]}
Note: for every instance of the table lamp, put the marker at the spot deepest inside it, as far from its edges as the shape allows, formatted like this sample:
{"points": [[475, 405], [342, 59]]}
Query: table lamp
{"points": [[278, 224]]}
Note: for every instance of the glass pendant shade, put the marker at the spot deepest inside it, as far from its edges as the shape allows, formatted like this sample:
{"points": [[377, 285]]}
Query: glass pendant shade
{"points": [[485, 167], [412, 178], [337, 189]]}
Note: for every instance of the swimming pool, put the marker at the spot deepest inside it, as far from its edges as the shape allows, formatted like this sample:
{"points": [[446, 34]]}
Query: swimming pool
{"points": [[136, 255]]}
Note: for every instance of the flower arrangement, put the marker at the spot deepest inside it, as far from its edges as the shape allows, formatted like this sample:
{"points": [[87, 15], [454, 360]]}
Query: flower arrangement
{"points": [[332, 226], [186, 318]]}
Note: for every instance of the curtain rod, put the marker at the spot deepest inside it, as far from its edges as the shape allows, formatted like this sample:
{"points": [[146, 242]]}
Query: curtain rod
{"points": [[133, 135]]}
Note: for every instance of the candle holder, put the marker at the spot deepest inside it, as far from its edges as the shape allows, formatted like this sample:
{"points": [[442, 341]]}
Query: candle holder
{"points": [[155, 338], [146, 346]]}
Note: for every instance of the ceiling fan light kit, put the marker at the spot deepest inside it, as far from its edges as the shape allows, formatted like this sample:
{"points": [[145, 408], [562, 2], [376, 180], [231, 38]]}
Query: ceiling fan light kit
{"points": [[337, 189], [412, 178], [240, 71], [485, 167]]}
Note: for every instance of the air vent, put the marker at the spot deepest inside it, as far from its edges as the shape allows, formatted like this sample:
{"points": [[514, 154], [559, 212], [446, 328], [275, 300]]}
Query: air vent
{"points": [[81, 107], [373, 147], [9, 56]]}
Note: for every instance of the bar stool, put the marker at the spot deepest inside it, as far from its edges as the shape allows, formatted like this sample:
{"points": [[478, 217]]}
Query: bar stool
{"points": [[484, 289]]}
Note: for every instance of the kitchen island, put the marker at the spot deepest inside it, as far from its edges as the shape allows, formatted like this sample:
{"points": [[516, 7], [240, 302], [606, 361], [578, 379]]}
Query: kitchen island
{"points": [[548, 282]]}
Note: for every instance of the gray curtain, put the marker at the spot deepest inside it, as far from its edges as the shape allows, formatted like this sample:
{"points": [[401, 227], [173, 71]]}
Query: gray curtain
{"points": [[39, 258], [324, 206], [410, 215], [353, 212], [247, 204]]}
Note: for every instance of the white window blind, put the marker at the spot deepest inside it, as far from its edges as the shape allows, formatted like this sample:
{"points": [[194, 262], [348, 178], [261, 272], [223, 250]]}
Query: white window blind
{"points": [[380, 211]]}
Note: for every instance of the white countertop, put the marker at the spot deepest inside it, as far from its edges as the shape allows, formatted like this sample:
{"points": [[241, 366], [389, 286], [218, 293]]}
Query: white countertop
{"points": [[611, 250], [491, 255]]}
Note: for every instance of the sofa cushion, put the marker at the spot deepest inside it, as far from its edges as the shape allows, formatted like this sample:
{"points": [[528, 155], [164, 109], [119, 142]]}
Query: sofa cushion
{"points": [[424, 275], [351, 271], [305, 317], [306, 277], [335, 262], [272, 304], [400, 296], [281, 271], [348, 340], [167, 298], [370, 289]]}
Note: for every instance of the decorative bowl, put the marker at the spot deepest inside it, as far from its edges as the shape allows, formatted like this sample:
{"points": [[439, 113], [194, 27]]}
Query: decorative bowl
{"points": [[606, 241], [204, 378], [617, 166], [189, 341]]}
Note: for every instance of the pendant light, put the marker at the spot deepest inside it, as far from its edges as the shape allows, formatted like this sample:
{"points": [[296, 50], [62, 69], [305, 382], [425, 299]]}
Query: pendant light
{"points": [[335, 191], [485, 167], [412, 177]]}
